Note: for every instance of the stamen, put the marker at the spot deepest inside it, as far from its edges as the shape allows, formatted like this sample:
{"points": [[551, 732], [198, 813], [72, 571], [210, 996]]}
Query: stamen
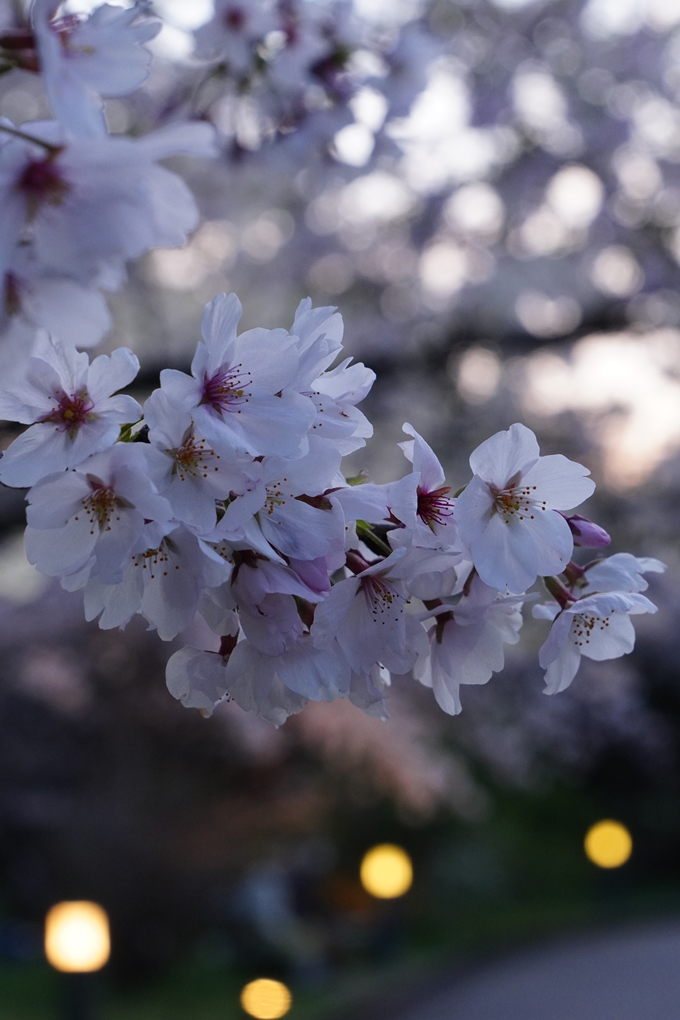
{"points": [[434, 507], [72, 411], [227, 390]]}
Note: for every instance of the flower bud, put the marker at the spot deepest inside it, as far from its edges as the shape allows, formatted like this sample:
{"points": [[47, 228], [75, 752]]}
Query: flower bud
{"points": [[586, 534]]}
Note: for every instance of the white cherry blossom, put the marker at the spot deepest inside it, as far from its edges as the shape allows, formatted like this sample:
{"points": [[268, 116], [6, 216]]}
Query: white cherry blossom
{"points": [[293, 514], [508, 514], [190, 472], [88, 521], [467, 642], [238, 390], [620, 572], [163, 580], [234, 31], [90, 204], [40, 298], [73, 406], [597, 626], [367, 614], [82, 59]]}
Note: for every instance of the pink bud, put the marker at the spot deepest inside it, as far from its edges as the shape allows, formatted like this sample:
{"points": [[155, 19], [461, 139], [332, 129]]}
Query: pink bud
{"points": [[587, 534]]}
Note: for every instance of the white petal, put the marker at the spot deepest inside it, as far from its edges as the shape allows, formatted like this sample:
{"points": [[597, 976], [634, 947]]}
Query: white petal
{"points": [[562, 483], [505, 455]]}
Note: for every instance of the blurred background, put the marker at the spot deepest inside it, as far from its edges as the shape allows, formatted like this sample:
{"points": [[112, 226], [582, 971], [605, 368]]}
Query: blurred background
{"points": [[496, 213]]}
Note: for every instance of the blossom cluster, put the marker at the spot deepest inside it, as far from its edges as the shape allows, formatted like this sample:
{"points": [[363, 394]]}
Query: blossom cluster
{"points": [[225, 498], [76, 202]]}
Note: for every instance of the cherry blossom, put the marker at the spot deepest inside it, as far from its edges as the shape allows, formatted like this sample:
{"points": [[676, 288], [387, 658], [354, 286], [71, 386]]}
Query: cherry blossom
{"points": [[234, 32], [509, 515], [367, 614], [467, 642], [87, 521], [238, 390], [164, 579], [597, 626], [90, 204], [84, 58], [73, 406]]}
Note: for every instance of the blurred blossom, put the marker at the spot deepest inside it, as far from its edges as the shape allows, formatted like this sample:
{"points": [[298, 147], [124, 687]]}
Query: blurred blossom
{"points": [[479, 373], [547, 317], [476, 210], [213, 247], [575, 194], [617, 272], [443, 269]]}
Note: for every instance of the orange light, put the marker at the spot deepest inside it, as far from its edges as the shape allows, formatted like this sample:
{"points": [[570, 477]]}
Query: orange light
{"points": [[608, 844], [265, 999], [386, 871], [77, 938]]}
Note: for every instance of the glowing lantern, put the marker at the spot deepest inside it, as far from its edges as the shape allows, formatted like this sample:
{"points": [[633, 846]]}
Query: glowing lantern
{"points": [[265, 999], [77, 938], [608, 844], [386, 871]]}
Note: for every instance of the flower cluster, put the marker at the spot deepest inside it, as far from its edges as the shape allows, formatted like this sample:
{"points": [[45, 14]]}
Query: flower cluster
{"points": [[225, 498], [288, 57], [77, 202]]}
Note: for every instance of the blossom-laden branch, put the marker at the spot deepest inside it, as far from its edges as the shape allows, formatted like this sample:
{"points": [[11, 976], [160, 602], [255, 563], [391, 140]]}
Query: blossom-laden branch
{"points": [[235, 507]]}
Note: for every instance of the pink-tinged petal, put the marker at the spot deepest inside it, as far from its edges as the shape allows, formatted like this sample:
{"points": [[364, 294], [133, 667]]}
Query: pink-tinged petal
{"points": [[621, 572], [547, 611], [196, 678], [117, 603], [301, 531], [66, 309], [505, 455], [474, 509], [513, 554], [270, 356], [317, 674], [265, 425], [193, 138], [562, 669], [61, 550], [424, 460], [68, 365], [562, 483], [40, 451], [115, 544], [181, 390], [109, 374], [56, 499], [447, 693], [92, 437], [604, 603], [610, 638], [242, 509], [220, 321], [170, 598], [330, 613], [558, 635]]}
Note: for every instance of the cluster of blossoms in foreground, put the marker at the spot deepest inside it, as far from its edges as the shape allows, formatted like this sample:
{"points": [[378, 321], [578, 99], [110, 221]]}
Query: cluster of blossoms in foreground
{"points": [[225, 498]]}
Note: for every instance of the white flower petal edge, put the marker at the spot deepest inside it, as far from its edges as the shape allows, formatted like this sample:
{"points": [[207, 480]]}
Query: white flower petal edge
{"points": [[508, 514], [597, 626]]}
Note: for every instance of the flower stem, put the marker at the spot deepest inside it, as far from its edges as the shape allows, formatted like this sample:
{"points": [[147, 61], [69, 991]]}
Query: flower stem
{"points": [[53, 150], [558, 591]]}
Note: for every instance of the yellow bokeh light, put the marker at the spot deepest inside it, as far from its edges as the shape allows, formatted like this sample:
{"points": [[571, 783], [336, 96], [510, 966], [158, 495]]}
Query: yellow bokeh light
{"points": [[386, 871], [608, 844], [266, 999], [77, 937]]}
